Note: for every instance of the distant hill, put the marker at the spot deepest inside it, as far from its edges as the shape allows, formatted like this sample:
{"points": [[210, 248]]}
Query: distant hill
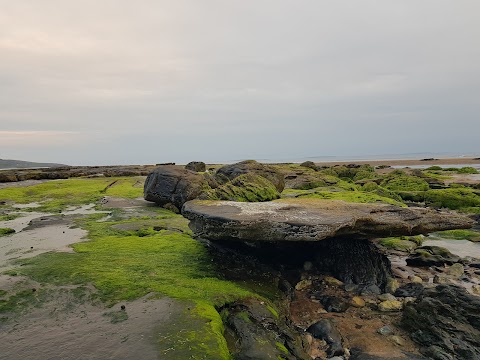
{"points": [[19, 164]]}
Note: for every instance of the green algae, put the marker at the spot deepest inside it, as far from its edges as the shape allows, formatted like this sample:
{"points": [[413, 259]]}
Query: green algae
{"points": [[404, 182], [6, 231], [402, 243], [463, 199], [470, 235], [54, 196], [245, 188]]}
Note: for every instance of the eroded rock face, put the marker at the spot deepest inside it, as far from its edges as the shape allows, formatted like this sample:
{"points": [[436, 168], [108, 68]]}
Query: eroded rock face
{"points": [[230, 172], [445, 320], [171, 184], [312, 220]]}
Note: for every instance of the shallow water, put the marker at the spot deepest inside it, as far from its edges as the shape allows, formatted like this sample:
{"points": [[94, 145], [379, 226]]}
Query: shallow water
{"points": [[461, 248]]}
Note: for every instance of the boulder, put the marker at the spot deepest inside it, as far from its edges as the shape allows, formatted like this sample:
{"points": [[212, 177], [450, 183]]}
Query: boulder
{"points": [[326, 330], [445, 320], [230, 172], [312, 220], [197, 166], [432, 255], [246, 187], [173, 185]]}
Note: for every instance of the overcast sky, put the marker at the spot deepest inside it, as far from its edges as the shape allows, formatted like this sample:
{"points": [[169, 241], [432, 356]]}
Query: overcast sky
{"points": [[139, 82]]}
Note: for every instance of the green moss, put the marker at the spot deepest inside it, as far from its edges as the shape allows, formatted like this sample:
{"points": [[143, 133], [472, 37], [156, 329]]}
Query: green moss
{"points": [[404, 182], [245, 188], [6, 231], [55, 196], [351, 196], [282, 348], [9, 217], [3, 293], [471, 235], [243, 315], [463, 199], [20, 300], [467, 170], [403, 243]]}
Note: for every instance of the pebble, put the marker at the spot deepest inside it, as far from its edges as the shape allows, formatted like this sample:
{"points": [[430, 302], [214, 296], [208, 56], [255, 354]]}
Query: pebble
{"points": [[385, 330], [303, 284], [329, 280], [415, 279], [390, 305], [391, 286], [476, 289], [408, 300], [350, 287], [357, 302], [397, 340], [386, 297], [456, 270], [438, 279]]}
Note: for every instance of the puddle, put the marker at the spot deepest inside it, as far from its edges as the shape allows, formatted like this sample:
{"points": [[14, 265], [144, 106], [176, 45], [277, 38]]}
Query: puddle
{"points": [[82, 331], [461, 248]]}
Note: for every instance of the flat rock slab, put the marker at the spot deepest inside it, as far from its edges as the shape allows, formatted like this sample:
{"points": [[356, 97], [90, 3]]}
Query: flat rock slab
{"points": [[312, 220]]}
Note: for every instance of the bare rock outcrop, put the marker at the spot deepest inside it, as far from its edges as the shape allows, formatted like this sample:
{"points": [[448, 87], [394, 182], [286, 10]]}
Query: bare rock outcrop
{"points": [[312, 220]]}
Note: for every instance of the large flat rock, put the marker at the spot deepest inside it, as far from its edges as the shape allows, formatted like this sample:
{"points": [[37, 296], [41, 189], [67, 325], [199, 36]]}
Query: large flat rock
{"points": [[312, 220]]}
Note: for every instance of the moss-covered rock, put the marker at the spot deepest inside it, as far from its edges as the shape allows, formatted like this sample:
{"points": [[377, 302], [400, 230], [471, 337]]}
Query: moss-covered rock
{"points": [[403, 243], [6, 231], [246, 188], [403, 182]]}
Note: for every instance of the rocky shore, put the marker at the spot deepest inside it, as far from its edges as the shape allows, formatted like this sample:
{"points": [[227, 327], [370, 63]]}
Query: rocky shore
{"points": [[284, 261], [344, 298]]}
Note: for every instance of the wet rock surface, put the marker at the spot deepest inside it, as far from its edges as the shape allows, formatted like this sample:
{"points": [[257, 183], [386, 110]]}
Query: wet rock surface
{"points": [[311, 220], [173, 185], [432, 255], [445, 320]]}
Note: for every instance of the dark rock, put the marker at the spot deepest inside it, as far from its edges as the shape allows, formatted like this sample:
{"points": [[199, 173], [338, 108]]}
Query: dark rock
{"points": [[371, 290], [432, 255], [445, 320], [385, 330], [230, 172], [197, 166], [169, 184], [309, 164], [331, 303], [258, 334], [325, 330], [312, 220], [409, 290]]}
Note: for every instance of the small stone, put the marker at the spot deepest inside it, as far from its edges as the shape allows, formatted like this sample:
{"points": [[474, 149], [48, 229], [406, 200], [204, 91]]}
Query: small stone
{"points": [[456, 270], [391, 305], [437, 279], [415, 279], [303, 284], [408, 300], [357, 302], [307, 265], [122, 307], [337, 358], [308, 339], [397, 340], [386, 297], [391, 286], [350, 287], [476, 289], [329, 280], [385, 330], [371, 290]]}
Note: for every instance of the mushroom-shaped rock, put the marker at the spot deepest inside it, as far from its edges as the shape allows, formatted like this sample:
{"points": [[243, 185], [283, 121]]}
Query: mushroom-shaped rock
{"points": [[312, 220]]}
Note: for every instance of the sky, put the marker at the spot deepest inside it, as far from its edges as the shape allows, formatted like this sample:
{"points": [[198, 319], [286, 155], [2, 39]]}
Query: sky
{"points": [[141, 82]]}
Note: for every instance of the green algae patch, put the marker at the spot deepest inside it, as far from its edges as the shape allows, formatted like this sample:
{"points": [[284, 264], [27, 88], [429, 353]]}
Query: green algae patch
{"points": [[9, 217], [463, 199], [54, 196], [402, 243], [470, 235], [6, 231], [245, 188], [348, 196], [403, 182]]}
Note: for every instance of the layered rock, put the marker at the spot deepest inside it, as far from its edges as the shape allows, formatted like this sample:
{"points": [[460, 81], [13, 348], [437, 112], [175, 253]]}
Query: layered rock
{"points": [[445, 320], [312, 220]]}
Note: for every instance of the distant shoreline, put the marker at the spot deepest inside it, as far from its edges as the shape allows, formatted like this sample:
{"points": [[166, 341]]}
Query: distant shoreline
{"points": [[406, 162]]}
